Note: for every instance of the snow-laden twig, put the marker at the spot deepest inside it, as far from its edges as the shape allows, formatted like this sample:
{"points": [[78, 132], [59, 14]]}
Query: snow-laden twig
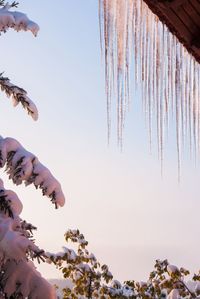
{"points": [[18, 95], [16, 20], [23, 166]]}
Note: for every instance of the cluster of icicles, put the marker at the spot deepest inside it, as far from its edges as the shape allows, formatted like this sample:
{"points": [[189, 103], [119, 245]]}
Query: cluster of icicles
{"points": [[166, 75]]}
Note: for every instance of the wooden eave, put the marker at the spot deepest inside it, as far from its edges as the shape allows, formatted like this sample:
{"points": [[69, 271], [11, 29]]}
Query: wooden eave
{"points": [[182, 17]]}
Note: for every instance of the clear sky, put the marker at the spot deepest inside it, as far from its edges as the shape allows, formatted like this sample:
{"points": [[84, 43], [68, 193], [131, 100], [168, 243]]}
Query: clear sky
{"points": [[129, 213]]}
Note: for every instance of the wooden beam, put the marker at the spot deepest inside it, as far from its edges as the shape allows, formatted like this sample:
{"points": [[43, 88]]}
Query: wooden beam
{"points": [[182, 17]]}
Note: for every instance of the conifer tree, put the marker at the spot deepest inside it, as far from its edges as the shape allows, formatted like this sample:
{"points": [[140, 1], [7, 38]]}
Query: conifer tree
{"points": [[18, 251]]}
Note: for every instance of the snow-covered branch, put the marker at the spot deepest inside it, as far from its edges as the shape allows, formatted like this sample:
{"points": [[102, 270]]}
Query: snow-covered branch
{"points": [[23, 166], [18, 95], [18, 276], [16, 20], [14, 240], [28, 281], [91, 280]]}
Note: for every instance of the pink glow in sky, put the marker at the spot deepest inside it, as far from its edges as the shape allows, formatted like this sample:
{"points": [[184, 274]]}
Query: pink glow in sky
{"points": [[129, 214]]}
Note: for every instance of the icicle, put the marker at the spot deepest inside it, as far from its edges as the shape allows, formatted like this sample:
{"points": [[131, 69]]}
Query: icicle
{"points": [[166, 75]]}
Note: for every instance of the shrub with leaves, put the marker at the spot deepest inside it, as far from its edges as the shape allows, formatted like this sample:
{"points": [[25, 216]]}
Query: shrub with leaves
{"points": [[90, 279]]}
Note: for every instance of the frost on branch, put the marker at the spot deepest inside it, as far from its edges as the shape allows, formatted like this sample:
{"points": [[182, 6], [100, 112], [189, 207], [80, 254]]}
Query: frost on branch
{"points": [[23, 166], [16, 20], [18, 95], [18, 276]]}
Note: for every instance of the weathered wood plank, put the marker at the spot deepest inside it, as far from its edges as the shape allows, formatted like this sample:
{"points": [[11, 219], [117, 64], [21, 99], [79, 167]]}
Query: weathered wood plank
{"points": [[182, 17]]}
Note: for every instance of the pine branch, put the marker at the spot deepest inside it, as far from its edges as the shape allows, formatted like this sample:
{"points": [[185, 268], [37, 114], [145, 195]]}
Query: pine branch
{"points": [[38, 254], [28, 227], [10, 204], [23, 166], [5, 206], [15, 19], [19, 96], [13, 4]]}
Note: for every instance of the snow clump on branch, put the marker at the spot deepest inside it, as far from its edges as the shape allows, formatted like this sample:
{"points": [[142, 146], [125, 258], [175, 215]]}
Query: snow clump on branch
{"points": [[23, 166], [16, 20], [18, 95], [16, 246]]}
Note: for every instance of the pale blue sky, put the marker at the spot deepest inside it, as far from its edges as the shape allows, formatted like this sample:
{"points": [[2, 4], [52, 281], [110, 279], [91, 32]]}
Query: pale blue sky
{"points": [[127, 212]]}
